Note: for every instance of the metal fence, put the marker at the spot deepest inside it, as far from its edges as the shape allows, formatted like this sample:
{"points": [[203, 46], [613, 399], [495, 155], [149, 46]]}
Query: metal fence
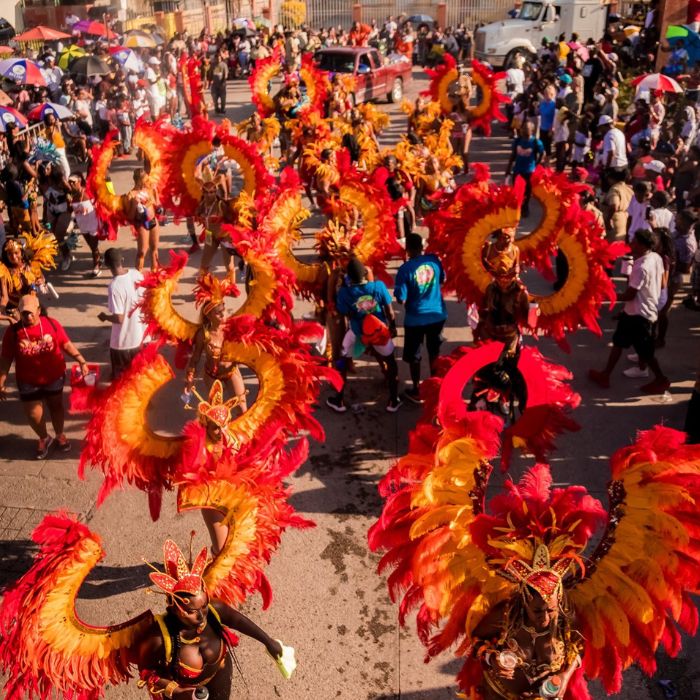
{"points": [[326, 13]]}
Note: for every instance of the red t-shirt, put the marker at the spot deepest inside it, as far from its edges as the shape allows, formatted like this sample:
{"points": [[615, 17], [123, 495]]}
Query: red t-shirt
{"points": [[37, 351]]}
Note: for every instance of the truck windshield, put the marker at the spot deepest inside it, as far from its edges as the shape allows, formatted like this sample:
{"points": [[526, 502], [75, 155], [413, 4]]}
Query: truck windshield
{"points": [[336, 62], [530, 10]]}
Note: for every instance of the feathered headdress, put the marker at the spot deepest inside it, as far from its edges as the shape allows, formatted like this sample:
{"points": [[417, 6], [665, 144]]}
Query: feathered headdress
{"points": [[178, 576], [336, 240], [542, 575], [210, 292]]}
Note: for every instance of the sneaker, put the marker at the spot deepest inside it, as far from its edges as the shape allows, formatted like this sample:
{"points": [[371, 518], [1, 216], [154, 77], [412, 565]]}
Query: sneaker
{"points": [[633, 357], [636, 373], [66, 262], [599, 378], [63, 443], [658, 386], [96, 271], [42, 450], [336, 404], [413, 395], [393, 405]]}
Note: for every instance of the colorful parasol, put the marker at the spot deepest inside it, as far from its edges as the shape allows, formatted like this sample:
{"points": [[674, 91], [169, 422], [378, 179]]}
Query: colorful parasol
{"points": [[9, 115], [138, 39], [67, 57], [126, 58], [22, 71], [40, 111], [86, 26], [657, 81]]}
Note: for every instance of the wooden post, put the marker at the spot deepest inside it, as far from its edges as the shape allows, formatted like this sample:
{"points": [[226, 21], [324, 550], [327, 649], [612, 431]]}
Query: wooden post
{"points": [[670, 12], [441, 17]]}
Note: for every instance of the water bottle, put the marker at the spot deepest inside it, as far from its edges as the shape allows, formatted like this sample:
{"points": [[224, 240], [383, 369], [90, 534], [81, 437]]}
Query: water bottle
{"points": [[551, 687], [201, 693]]}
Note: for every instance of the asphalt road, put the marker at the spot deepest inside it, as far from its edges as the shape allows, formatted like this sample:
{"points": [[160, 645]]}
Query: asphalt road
{"points": [[329, 601]]}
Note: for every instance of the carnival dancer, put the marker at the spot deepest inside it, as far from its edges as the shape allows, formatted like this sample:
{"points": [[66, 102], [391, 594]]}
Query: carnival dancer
{"points": [[22, 269], [141, 210], [209, 341], [213, 211], [189, 647]]}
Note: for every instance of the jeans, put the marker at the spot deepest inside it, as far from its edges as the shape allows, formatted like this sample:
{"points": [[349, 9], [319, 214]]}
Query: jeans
{"points": [[218, 94]]}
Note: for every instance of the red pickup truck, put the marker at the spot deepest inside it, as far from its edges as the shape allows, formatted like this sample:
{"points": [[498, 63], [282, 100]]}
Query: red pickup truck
{"points": [[376, 75]]}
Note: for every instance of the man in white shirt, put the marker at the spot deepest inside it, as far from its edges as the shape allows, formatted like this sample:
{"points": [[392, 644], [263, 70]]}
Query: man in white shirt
{"points": [[635, 327], [515, 78], [614, 151], [153, 90], [52, 75], [128, 328]]}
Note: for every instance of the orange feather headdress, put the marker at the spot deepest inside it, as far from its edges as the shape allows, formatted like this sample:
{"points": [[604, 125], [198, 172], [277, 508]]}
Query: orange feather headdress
{"points": [[216, 409], [210, 292]]}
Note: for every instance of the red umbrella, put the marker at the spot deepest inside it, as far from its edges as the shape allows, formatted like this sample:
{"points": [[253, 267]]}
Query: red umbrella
{"points": [[656, 81], [9, 115], [42, 34]]}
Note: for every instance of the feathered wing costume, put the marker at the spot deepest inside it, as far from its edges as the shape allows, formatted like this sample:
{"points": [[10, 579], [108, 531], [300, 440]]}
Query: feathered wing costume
{"points": [[486, 110], [468, 218], [120, 443], [464, 565], [547, 396], [46, 650]]}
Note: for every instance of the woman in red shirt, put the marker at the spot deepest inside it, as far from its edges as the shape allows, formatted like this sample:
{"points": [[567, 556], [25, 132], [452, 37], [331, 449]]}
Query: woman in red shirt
{"points": [[36, 345]]}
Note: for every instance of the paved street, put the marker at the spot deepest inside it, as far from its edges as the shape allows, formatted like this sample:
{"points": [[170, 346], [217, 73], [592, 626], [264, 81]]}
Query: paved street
{"points": [[328, 600]]}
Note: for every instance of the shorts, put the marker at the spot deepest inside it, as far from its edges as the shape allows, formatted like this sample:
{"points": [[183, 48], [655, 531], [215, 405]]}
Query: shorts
{"points": [[37, 392], [635, 331], [121, 360], [349, 344], [413, 340]]}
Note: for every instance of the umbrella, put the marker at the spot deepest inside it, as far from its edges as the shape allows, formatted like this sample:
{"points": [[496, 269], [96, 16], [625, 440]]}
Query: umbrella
{"points": [[69, 55], [656, 81], [42, 34], [89, 66], [22, 71], [9, 115], [243, 23], [40, 111], [86, 26], [677, 31], [126, 58], [416, 20], [5, 99], [137, 39]]}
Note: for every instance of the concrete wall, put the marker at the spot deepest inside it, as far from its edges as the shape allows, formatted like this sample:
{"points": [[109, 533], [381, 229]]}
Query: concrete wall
{"points": [[11, 10]]}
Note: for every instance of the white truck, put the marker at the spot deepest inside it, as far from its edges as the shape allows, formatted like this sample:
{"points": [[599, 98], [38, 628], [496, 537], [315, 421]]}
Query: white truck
{"points": [[499, 43]]}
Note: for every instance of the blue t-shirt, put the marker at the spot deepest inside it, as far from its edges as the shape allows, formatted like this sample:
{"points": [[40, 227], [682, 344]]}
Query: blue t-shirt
{"points": [[418, 287], [548, 109], [358, 300], [526, 152]]}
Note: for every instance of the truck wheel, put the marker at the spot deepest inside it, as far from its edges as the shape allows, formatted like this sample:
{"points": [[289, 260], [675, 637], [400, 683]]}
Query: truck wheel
{"points": [[396, 91]]}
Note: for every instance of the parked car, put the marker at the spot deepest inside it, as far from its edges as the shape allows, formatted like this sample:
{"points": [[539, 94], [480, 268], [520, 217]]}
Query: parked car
{"points": [[377, 76]]}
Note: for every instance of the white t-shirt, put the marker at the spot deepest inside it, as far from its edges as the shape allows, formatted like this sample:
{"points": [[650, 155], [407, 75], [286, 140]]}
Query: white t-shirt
{"points": [[646, 277], [122, 297], [614, 141], [662, 218], [516, 81], [85, 216], [638, 216]]}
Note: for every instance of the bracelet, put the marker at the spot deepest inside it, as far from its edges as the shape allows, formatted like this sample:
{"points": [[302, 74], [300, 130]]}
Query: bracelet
{"points": [[170, 689]]}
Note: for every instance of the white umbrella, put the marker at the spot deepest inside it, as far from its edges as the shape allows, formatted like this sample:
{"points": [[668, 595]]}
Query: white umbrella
{"points": [[656, 81]]}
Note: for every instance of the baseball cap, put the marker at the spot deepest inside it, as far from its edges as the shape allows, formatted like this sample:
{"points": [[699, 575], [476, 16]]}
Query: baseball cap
{"points": [[566, 79], [29, 302], [604, 120], [153, 61]]}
